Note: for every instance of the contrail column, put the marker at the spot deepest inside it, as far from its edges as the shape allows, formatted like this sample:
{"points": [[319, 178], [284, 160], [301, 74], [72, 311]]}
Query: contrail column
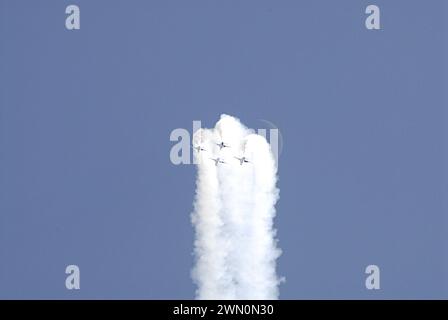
{"points": [[210, 272]]}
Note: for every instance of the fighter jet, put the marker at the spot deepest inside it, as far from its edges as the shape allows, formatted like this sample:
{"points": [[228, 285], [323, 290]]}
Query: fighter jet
{"points": [[242, 160], [222, 145], [199, 149], [217, 161]]}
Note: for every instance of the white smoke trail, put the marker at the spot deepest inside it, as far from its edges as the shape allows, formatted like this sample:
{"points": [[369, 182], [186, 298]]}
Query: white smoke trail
{"points": [[235, 245]]}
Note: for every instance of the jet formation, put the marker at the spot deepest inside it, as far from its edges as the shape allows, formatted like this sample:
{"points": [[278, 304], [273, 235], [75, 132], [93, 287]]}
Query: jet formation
{"points": [[242, 160]]}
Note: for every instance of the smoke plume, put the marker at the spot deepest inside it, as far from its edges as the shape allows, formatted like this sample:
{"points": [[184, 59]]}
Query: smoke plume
{"points": [[235, 247]]}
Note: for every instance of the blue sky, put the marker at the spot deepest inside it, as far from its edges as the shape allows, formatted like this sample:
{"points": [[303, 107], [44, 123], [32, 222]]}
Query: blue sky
{"points": [[86, 115]]}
